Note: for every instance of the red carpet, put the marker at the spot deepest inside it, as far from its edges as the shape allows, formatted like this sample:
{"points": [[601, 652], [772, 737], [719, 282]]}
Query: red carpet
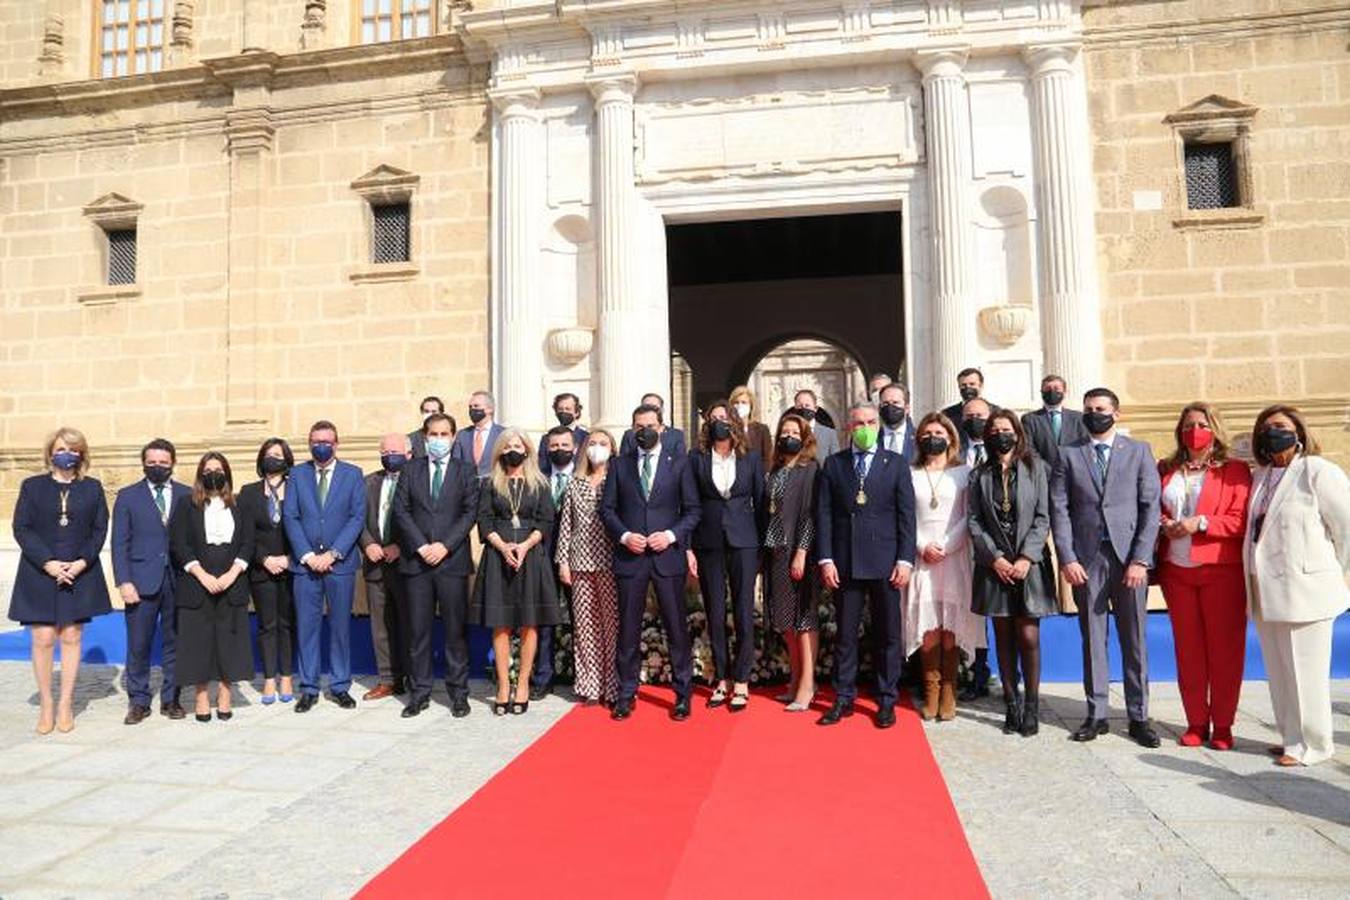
{"points": [[756, 804]]}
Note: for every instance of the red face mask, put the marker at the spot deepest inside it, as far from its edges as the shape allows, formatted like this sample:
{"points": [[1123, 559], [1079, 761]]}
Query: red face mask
{"points": [[1197, 438]]}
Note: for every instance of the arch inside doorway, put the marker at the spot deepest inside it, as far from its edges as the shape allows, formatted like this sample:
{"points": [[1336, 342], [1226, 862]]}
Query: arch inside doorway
{"points": [[834, 372]]}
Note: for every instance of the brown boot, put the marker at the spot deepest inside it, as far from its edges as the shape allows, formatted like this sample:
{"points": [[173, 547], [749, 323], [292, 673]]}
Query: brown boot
{"points": [[947, 688], [929, 656]]}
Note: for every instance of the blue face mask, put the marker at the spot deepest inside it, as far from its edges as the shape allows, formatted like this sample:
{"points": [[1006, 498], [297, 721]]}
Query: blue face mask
{"points": [[322, 451], [438, 447], [393, 462], [65, 460]]}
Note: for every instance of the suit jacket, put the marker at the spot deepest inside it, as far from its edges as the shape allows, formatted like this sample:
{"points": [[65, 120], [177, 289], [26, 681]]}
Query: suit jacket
{"points": [[418, 441], [1127, 504], [1031, 532], [579, 436], [462, 448], [672, 440], [1223, 501], [672, 505], [907, 446], [865, 541], [953, 412], [269, 539], [1296, 571], [370, 534], [187, 534], [140, 538], [1042, 435], [798, 507], [418, 520], [335, 526], [37, 597], [736, 521], [827, 440]]}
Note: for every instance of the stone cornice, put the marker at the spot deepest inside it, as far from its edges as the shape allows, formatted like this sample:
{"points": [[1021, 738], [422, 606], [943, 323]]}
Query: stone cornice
{"points": [[1219, 27]]}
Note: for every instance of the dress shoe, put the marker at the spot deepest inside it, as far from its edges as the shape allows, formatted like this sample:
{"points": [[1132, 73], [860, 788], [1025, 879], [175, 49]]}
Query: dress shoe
{"points": [[680, 711], [1144, 735], [841, 709], [1031, 717], [202, 717], [1222, 739], [306, 702], [978, 688], [136, 715], [343, 699], [173, 710], [224, 715], [1012, 715], [379, 692], [459, 707], [886, 716], [718, 697], [1195, 736], [1090, 730], [416, 708], [623, 708], [540, 691]]}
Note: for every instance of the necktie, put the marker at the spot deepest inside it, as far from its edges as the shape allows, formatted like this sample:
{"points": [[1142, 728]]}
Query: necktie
{"points": [[159, 501], [387, 507], [860, 466], [477, 445], [559, 485], [646, 475], [1056, 423], [323, 487], [979, 453], [437, 477], [1101, 460]]}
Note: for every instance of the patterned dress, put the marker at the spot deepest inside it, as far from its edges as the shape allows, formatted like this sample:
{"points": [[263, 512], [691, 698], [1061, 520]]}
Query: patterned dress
{"points": [[792, 604], [584, 546]]}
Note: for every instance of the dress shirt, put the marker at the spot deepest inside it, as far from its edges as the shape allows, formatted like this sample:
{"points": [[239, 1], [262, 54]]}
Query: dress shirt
{"points": [[1179, 497], [893, 439], [219, 522], [565, 472], [655, 454], [971, 459], [167, 494], [431, 470], [723, 472], [1097, 442], [387, 488]]}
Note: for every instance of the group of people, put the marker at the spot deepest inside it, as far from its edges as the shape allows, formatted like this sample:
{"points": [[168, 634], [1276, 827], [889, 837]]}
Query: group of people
{"points": [[970, 514]]}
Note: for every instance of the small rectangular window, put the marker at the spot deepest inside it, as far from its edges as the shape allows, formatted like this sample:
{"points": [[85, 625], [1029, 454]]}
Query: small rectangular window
{"points": [[1211, 176], [389, 239], [396, 20], [122, 256], [131, 36]]}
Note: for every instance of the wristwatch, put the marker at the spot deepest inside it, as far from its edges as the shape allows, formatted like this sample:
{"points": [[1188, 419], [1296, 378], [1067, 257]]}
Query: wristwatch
{"points": [[1204, 524]]}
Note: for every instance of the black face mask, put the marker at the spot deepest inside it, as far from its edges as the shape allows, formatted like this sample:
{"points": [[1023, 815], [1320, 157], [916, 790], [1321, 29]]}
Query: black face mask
{"points": [[892, 414], [807, 414], [969, 392], [513, 458], [561, 459], [974, 428], [565, 419], [1052, 398], [790, 445], [477, 415], [933, 445], [157, 474], [273, 465], [719, 430], [1002, 441], [214, 480], [1098, 422], [1274, 441], [646, 437]]}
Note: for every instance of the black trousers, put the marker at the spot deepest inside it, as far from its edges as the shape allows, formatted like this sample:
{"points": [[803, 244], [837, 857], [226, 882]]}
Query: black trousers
{"points": [[423, 593], [632, 604], [276, 624], [885, 602], [714, 567]]}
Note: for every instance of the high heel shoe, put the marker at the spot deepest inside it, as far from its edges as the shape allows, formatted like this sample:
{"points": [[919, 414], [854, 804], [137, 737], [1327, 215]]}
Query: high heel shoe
{"points": [[739, 701], [520, 707], [799, 706], [1031, 717], [501, 707], [1012, 716], [717, 697], [268, 699], [224, 715], [202, 717], [65, 725]]}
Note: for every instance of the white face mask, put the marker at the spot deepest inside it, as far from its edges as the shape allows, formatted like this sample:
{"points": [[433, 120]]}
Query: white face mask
{"points": [[598, 454], [742, 410]]}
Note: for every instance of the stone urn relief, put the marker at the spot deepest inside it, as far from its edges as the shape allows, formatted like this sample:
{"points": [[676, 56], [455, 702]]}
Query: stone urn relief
{"points": [[1005, 324], [569, 346]]}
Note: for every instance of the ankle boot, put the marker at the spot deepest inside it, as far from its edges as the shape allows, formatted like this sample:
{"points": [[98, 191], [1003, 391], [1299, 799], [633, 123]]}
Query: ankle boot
{"points": [[1012, 717], [1031, 723], [947, 686], [932, 678]]}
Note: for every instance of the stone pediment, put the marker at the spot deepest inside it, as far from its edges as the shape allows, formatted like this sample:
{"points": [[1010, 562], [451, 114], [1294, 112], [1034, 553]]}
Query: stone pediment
{"points": [[386, 181], [1209, 109], [113, 209]]}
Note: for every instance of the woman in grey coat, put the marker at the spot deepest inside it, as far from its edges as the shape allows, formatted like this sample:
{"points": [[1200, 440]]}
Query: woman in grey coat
{"points": [[1009, 514]]}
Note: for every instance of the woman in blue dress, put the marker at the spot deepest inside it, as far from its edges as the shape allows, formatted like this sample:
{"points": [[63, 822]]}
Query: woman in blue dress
{"points": [[60, 523]]}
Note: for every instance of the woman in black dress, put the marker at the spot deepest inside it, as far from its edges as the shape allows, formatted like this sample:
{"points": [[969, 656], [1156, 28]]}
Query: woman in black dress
{"points": [[515, 590], [212, 541], [268, 572], [1009, 517], [60, 523]]}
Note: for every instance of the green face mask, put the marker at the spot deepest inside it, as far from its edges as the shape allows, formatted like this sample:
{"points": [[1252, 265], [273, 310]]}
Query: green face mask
{"points": [[865, 437]]}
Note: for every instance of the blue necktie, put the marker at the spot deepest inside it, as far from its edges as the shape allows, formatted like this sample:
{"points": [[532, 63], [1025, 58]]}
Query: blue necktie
{"points": [[861, 467], [1101, 460]]}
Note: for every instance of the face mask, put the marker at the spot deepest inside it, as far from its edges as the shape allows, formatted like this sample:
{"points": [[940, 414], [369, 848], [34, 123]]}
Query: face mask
{"points": [[646, 438], [892, 414], [1197, 438], [807, 414], [974, 428], [214, 480], [561, 459], [790, 445], [719, 430], [1003, 441], [865, 437], [1098, 422], [932, 445], [513, 458], [1274, 441], [438, 447], [477, 415], [321, 451], [742, 410], [1052, 398], [393, 462], [598, 454], [65, 460], [969, 392], [157, 474], [565, 419], [273, 465]]}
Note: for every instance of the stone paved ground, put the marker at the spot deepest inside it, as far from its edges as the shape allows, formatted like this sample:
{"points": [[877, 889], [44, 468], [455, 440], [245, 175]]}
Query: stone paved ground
{"points": [[278, 805]]}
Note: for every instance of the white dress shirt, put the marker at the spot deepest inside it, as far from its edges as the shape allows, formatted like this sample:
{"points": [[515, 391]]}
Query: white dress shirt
{"points": [[219, 526], [1179, 498], [387, 488], [723, 472]]}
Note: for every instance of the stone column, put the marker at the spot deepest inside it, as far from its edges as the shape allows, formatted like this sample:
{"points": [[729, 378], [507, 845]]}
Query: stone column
{"points": [[1071, 328], [947, 134], [255, 25], [520, 399], [625, 364]]}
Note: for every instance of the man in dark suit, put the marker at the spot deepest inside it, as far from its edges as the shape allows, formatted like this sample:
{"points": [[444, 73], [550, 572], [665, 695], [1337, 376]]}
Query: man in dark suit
{"points": [[429, 406], [559, 448], [324, 513], [1052, 427], [865, 539], [567, 408], [897, 428], [650, 508], [1104, 512], [384, 581], [144, 576], [435, 507], [970, 384], [672, 439], [474, 445]]}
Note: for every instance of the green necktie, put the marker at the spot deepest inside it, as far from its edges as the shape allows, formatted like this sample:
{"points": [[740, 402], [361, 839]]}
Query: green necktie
{"points": [[436, 480], [646, 475], [559, 485], [1056, 423], [159, 501], [323, 487]]}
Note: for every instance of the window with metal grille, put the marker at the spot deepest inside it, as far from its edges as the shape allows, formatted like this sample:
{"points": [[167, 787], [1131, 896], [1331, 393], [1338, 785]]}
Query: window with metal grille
{"points": [[389, 232], [132, 36], [1211, 177], [122, 256], [396, 20]]}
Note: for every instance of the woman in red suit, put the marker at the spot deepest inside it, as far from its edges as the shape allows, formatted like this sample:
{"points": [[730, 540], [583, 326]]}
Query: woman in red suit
{"points": [[1204, 518]]}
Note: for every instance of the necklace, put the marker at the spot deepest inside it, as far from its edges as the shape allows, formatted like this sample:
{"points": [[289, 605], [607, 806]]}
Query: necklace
{"points": [[515, 489], [933, 488], [1005, 473], [65, 517]]}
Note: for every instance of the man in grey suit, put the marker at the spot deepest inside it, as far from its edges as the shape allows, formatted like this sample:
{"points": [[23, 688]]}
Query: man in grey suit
{"points": [[1104, 512], [1052, 426], [804, 404], [429, 406]]}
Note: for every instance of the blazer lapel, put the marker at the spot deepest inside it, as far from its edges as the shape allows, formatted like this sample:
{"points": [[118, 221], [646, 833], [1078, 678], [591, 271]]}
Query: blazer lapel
{"points": [[1282, 489], [1090, 459], [1026, 503]]}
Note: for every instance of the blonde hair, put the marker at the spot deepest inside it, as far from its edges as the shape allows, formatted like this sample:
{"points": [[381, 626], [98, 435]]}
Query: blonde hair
{"points": [[739, 391], [75, 440], [529, 468], [583, 465]]}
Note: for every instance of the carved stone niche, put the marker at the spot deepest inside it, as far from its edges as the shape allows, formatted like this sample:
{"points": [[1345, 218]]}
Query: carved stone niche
{"points": [[1005, 325], [569, 346]]}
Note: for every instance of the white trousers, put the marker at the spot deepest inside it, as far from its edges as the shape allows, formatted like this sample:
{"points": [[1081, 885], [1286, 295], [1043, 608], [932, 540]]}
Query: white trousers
{"points": [[1298, 665]]}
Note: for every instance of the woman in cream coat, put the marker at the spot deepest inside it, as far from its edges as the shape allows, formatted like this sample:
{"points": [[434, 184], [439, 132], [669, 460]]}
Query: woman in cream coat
{"points": [[1296, 554]]}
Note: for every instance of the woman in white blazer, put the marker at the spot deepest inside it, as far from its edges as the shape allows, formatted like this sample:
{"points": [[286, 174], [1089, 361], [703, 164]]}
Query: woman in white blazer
{"points": [[1296, 554]]}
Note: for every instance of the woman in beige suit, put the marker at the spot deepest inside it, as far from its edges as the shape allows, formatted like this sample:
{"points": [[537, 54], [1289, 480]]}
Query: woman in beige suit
{"points": [[1296, 553]]}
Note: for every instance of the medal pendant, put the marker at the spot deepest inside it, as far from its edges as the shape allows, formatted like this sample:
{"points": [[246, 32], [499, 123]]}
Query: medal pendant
{"points": [[933, 503], [773, 507], [861, 499], [515, 521], [63, 521]]}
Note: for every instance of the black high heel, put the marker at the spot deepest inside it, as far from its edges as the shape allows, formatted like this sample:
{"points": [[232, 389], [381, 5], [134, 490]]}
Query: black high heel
{"points": [[500, 708], [1031, 720], [519, 708], [1012, 718], [202, 717], [224, 715]]}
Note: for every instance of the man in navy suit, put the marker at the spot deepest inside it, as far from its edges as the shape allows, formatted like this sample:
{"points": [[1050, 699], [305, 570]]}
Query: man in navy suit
{"points": [[567, 408], [970, 384], [474, 445], [559, 449], [865, 538], [897, 429], [672, 439], [650, 508], [1052, 426], [144, 577], [323, 515]]}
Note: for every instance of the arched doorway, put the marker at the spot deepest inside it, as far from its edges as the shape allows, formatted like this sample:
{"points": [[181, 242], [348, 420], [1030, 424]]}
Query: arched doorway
{"points": [[829, 370]]}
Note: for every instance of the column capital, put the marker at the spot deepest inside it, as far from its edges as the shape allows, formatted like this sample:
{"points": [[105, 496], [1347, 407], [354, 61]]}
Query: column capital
{"points": [[1044, 59], [942, 62], [612, 87], [517, 100]]}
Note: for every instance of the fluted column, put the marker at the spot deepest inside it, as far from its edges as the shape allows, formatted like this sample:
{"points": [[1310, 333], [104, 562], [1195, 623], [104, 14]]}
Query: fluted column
{"points": [[947, 132], [624, 361], [1071, 329], [520, 399]]}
